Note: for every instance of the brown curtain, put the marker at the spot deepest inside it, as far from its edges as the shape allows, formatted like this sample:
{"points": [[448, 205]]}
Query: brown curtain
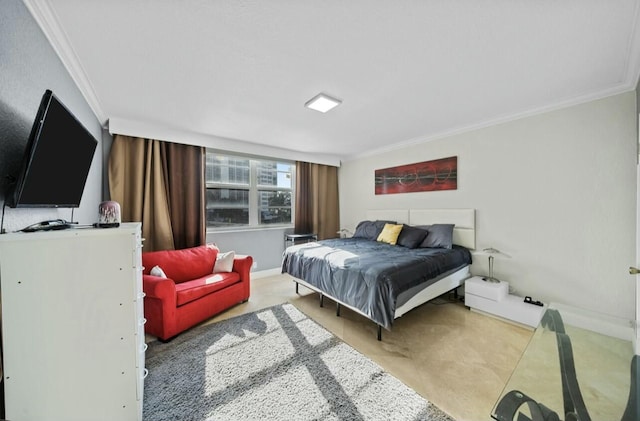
{"points": [[317, 208], [184, 178], [143, 181]]}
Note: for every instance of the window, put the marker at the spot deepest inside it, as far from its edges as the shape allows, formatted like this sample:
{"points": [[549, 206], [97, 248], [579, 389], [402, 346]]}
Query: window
{"points": [[246, 192]]}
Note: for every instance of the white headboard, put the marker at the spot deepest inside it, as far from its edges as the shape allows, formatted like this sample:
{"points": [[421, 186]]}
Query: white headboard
{"points": [[464, 231], [401, 216]]}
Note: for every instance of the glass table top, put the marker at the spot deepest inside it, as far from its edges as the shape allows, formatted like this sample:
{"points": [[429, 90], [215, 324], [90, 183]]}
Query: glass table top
{"points": [[577, 366]]}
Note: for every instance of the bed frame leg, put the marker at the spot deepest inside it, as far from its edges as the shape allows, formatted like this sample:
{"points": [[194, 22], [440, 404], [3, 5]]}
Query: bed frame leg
{"points": [[297, 284], [379, 332], [321, 300], [338, 309], [455, 293]]}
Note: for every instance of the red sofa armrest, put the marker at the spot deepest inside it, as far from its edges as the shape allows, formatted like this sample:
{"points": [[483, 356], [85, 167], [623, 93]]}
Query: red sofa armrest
{"points": [[242, 265], [163, 289], [159, 306]]}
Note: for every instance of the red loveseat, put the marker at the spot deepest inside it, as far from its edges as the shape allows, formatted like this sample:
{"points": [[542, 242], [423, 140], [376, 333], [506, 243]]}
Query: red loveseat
{"points": [[191, 292]]}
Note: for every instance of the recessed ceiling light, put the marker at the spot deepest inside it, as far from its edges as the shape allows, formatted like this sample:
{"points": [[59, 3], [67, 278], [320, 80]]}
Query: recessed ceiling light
{"points": [[322, 103]]}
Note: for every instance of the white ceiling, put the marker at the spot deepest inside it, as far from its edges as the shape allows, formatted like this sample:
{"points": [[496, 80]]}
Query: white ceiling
{"points": [[407, 71]]}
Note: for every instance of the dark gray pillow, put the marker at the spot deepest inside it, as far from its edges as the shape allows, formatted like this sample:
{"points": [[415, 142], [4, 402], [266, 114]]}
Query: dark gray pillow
{"points": [[438, 236], [411, 237], [370, 229]]}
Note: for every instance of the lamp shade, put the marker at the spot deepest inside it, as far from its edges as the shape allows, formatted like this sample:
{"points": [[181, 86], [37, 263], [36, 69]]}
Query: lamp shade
{"points": [[491, 252]]}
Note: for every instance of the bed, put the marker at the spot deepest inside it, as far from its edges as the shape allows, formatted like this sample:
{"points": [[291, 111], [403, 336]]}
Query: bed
{"points": [[381, 281]]}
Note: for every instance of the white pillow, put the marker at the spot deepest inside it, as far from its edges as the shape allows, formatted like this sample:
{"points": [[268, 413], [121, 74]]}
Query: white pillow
{"points": [[224, 262], [157, 271]]}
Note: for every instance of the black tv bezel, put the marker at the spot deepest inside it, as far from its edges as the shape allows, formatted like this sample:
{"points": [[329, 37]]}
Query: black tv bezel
{"points": [[13, 199]]}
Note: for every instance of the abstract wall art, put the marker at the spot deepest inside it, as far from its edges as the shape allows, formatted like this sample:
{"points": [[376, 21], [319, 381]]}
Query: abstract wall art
{"points": [[439, 174]]}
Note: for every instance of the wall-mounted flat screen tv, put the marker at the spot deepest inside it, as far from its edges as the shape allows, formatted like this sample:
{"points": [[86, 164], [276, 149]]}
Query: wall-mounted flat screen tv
{"points": [[56, 160]]}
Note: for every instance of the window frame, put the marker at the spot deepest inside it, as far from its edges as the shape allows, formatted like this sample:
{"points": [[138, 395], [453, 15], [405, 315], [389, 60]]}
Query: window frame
{"points": [[253, 188]]}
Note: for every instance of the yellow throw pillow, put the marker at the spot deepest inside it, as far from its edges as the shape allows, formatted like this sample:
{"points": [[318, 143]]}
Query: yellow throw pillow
{"points": [[390, 233]]}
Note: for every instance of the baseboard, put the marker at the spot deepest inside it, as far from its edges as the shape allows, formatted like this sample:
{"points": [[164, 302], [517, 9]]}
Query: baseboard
{"points": [[599, 323], [512, 322], [265, 273]]}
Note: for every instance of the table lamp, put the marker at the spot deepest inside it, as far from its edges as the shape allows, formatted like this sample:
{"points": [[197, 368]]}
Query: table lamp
{"points": [[491, 251], [344, 233]]}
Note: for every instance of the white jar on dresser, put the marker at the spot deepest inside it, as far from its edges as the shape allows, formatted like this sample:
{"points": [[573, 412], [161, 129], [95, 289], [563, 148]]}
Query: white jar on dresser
{"points": [[72, 324]]}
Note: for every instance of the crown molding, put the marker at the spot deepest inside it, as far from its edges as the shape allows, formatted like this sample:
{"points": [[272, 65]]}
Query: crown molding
{"points": [[45, 16], [632, 75], [43, 11], [619, 89]]}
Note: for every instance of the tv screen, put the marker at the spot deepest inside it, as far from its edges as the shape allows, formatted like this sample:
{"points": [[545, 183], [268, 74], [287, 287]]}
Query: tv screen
{"points": [[56, 160]]}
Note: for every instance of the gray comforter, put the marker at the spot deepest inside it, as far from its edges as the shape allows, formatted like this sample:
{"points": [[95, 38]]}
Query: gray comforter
{"points": [[369, 275]]}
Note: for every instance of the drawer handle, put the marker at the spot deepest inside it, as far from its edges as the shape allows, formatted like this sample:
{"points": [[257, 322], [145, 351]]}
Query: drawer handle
{"points": [[142, 321], [144, 348], [146, 373]]}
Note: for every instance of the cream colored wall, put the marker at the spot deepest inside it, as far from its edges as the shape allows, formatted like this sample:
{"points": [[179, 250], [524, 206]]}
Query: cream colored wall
{"points": [[555, 191]]}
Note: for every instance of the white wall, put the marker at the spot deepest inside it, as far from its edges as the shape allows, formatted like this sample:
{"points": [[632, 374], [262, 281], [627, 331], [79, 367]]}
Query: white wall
{"points": [[29, 66], [264, 245], [555, 191]]}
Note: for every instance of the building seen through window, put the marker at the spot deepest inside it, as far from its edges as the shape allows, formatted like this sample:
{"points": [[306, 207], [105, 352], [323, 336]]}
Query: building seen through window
{"points": [[247, 192]]}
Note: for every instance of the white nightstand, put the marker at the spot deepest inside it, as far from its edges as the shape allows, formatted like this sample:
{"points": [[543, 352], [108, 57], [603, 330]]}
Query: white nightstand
{"points": [[494, 298]]}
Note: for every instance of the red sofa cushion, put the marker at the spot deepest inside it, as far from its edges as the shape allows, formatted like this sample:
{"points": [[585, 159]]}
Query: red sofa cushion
{"points": [[182, 265], [197, 288]]}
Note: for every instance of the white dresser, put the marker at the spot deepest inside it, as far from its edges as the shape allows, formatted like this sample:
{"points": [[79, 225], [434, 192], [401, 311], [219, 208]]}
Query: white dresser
{"points": [[72, 324]]}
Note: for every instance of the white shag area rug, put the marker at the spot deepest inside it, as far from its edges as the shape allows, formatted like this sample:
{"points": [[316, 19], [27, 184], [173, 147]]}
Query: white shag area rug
{"points": [[274, 364]]}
